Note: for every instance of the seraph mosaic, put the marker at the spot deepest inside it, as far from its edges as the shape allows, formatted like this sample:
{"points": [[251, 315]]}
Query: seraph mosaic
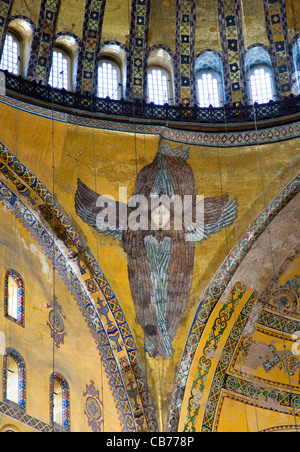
{"points": [[159, 228]]}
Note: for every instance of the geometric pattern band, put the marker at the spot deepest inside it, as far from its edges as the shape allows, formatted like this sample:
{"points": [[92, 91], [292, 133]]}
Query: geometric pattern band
{"points": [[185, 41], [90, 45], [5, 8], [21, 416], [275, 14], [43, 41], [138, 45], [233, 48]]}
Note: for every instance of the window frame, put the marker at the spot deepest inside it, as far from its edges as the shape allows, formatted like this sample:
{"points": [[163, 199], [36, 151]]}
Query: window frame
{"points": [[117, 91], [20, 320], [165, 72], [66, 56], [267, 68], [14, 355], [16, 39], [65, 393], [218, 76]]}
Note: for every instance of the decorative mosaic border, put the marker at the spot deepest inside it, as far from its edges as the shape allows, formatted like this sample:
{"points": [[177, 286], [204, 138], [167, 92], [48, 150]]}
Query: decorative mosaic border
{"points": [[219, 379], [140, 13], [233, 49], [215, 291], [210, 139], [92, 28], [66, 401], [86, 306], [5, 9], [20, 294], [129, 367], [185, 44], [205, 363], [43, 41], [24, 418], [276, 21], [21, 405], [236, 387]]}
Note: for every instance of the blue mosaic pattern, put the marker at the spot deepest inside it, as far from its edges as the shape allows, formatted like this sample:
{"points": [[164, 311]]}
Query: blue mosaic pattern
{"points": [[215, 291], [105, 338]]}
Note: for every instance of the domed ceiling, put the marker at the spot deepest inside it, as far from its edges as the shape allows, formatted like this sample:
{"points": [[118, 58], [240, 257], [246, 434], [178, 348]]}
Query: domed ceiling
{"points": [[197, 334]]}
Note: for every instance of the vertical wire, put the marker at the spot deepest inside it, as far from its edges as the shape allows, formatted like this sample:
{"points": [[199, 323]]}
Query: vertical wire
{"points": [[53, 254], [97, 238], [269, 235]]}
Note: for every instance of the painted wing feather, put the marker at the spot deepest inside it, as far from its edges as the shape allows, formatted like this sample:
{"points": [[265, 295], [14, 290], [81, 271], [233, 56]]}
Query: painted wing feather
{"points": [[219, 212], [89, 205]]}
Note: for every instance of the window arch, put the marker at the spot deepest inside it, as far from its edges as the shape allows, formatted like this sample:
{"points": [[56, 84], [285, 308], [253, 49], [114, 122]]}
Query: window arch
{"points": [[116, 54], [60, 73], [209, 79], [260, 75], [59, 402], [208, 89], [296, 59], [14, 297], [14, 379], [10, 60], [160, 86], [261, 84], [109, 79]]}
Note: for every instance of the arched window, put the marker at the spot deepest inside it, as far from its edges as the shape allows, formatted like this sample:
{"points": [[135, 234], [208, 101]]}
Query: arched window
{"points": [[14, 301], [60, 74], [59, 402], [109, 80], [296, 59], [14, 381], [259, 74], [261, 84], [10, 60], [209, 79], [208, 89], [158, 86]]}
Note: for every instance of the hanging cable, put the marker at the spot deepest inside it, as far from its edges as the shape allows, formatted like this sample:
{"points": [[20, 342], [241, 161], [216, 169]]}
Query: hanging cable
{"points": [[53, 250]]}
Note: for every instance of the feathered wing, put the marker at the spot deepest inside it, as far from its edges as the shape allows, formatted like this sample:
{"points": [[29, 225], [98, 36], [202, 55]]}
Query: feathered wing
{"points": [[105, 215], [218, 212]]}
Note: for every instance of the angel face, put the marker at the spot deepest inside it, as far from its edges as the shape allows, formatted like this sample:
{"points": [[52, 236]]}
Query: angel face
{"points": [[160, 265], [161, 217]]}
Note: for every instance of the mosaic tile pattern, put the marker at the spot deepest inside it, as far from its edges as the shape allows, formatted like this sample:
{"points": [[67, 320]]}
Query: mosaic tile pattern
{"points": [[22, 379], [239, 388], [211, 139], [276, 21], [113, 360], [233, 49], [24, 418], [185, 41], [140, 13], [66, 401], [5, 8], [93, 407], [88, 54], [21, 297], [40, 60], [215, 291]]}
